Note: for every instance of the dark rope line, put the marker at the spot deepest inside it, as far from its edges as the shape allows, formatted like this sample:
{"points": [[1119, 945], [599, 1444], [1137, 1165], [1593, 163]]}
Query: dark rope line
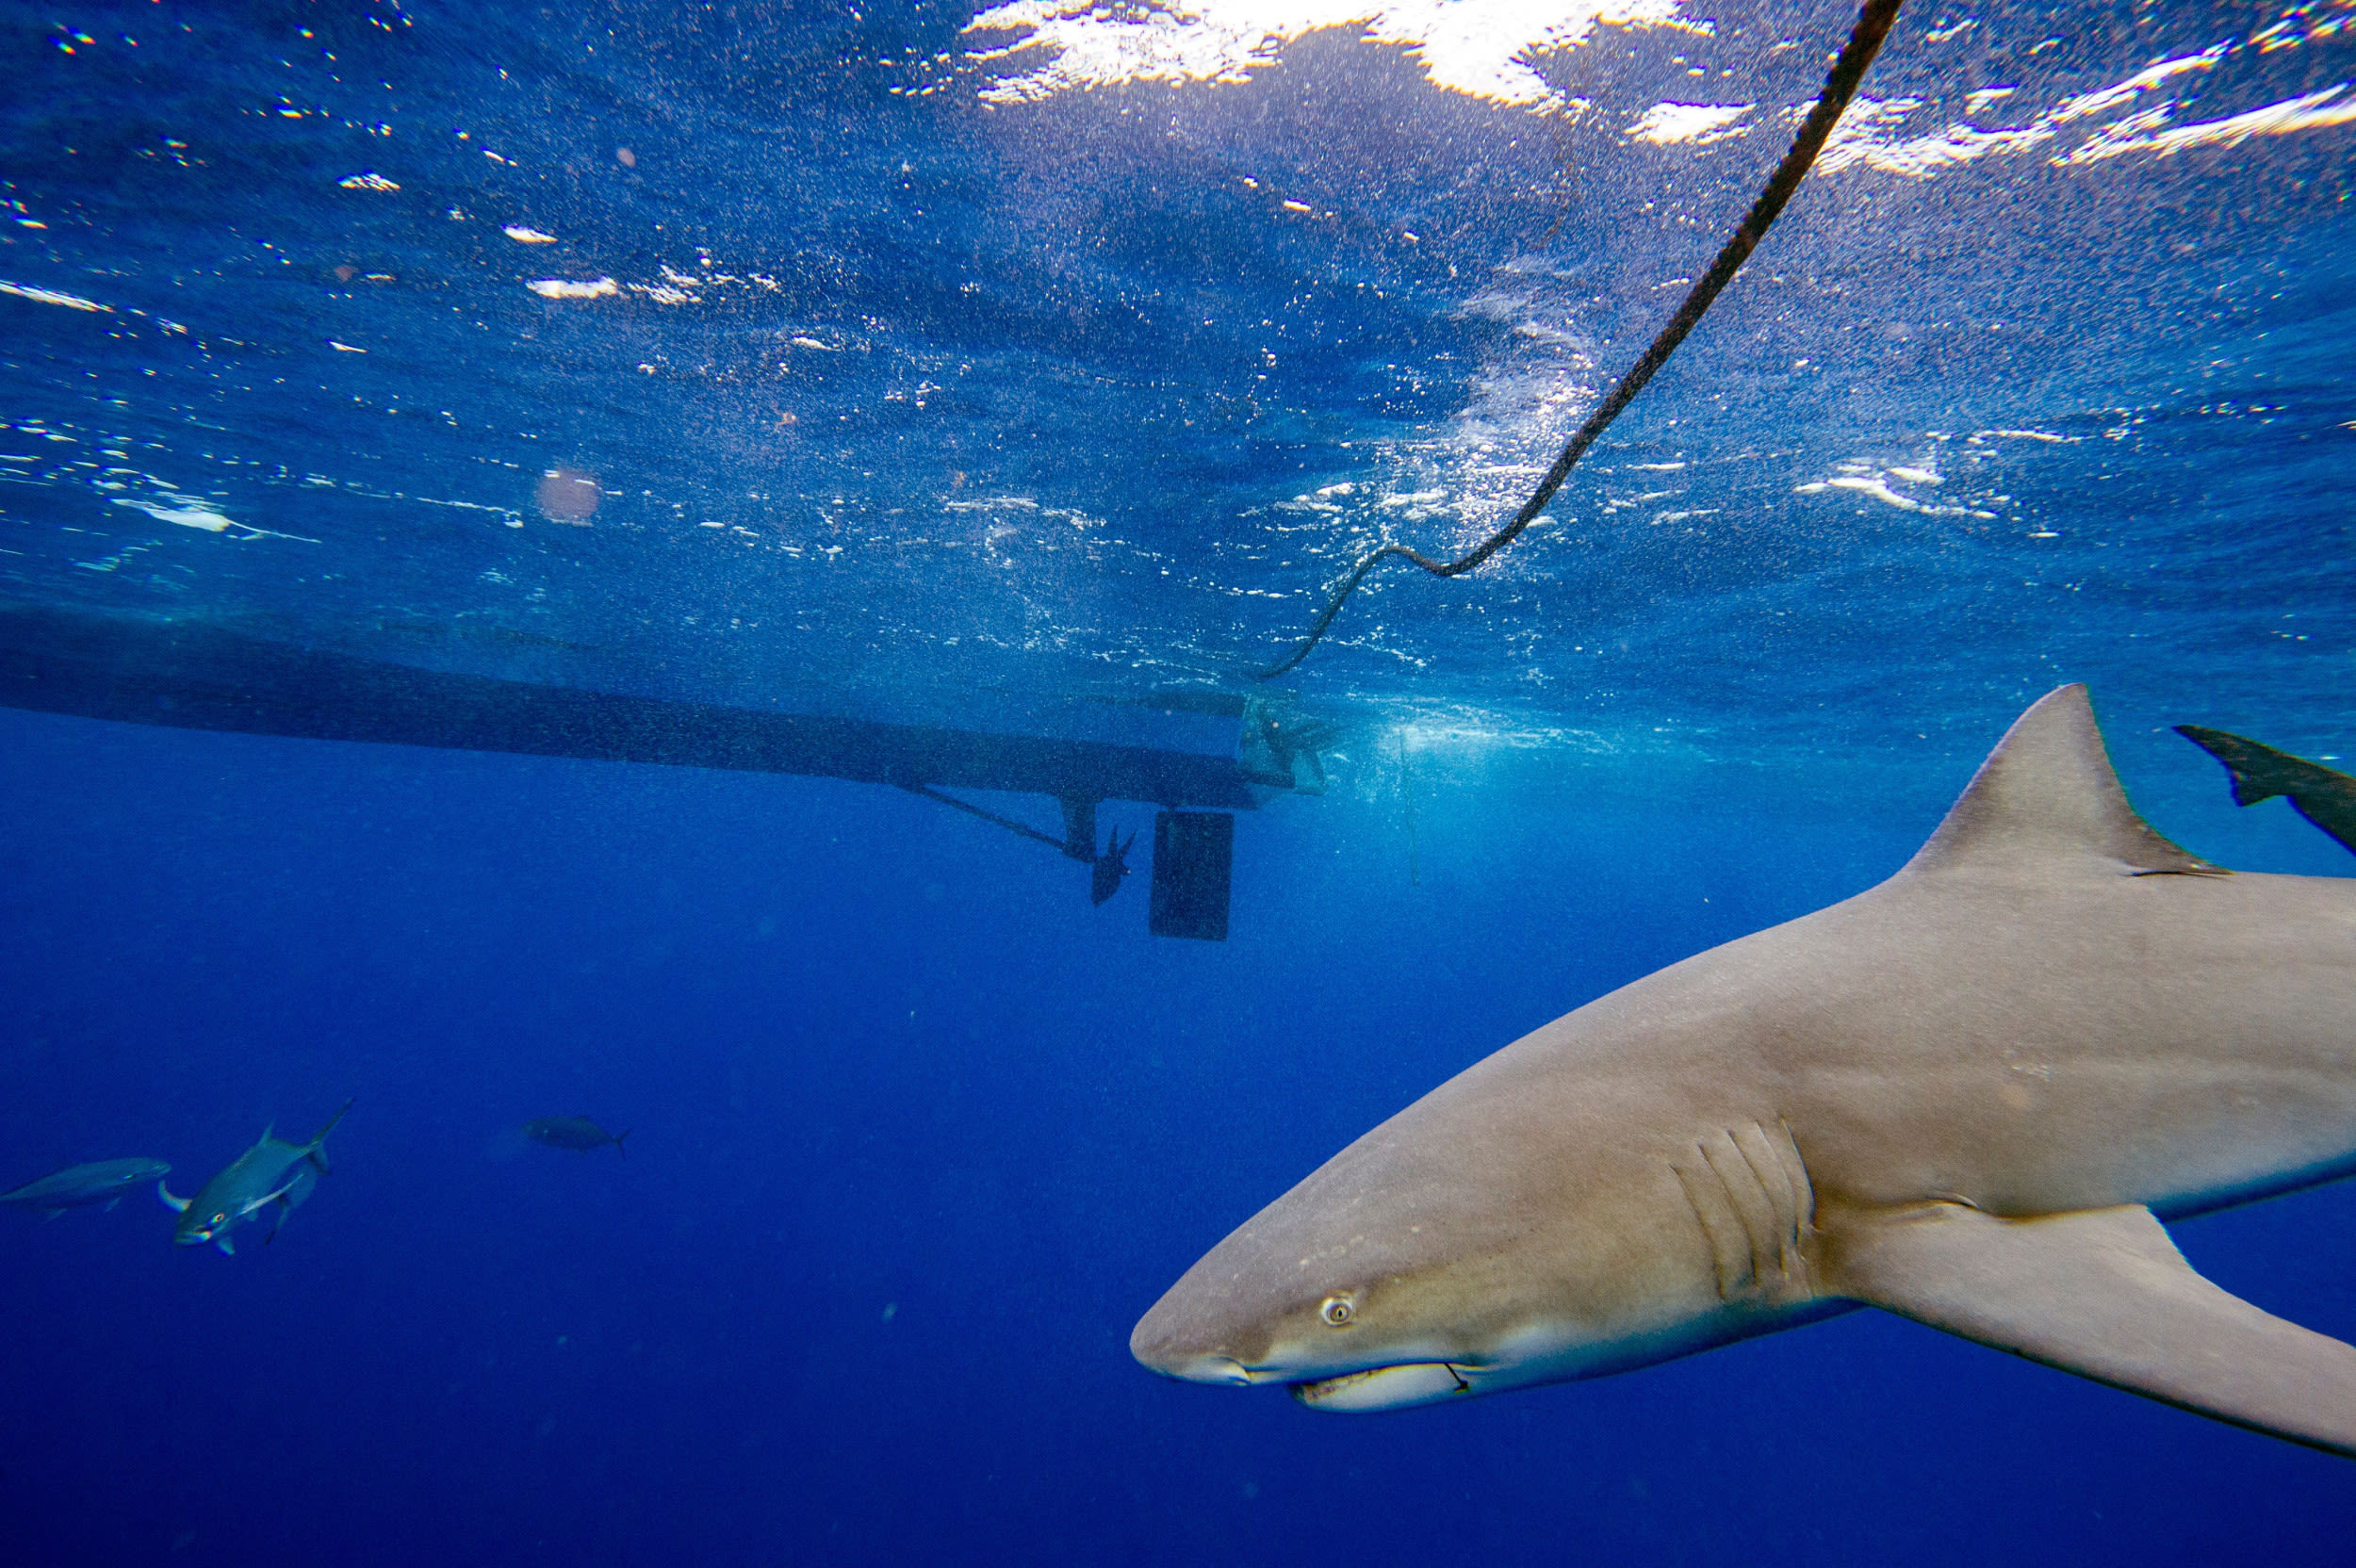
{"points": [[1873, 26], [1007, 823]]}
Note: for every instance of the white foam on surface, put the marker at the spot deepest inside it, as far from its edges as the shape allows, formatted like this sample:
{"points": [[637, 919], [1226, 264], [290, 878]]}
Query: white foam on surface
{"points": [[186, 511], [1699, 123], [570, 289], [167, 505], [52, 297], [1481, 48], [2146, 133], [1870, 135], [1865, 478]]}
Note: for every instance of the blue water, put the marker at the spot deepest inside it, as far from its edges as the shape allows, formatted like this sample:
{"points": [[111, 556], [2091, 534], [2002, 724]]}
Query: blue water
{"points": [[914, 383]]}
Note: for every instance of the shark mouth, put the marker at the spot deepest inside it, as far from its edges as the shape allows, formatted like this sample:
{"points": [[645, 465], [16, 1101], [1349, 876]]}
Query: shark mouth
{"points": [[1423, 1382]]}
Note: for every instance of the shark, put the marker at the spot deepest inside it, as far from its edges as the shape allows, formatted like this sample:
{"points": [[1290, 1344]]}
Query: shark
{"points": [[1975, 1095], [273, 1174]]}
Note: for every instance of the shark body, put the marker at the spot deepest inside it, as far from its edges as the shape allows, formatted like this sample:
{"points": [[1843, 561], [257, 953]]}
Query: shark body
{"points": [[272, 1175], [1969, 1095]]}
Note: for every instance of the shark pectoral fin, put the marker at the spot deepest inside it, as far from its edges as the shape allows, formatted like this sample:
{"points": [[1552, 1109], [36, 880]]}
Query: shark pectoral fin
{"points": [[228, 1247], [2102, 1293]]}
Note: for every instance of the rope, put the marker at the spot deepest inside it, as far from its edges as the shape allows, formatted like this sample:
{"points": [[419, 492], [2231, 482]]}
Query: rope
{"points": [[1007, 823], [1872, 24]]}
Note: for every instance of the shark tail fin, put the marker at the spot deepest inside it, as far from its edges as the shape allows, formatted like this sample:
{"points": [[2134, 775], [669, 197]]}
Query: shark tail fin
{"points": [[617, 1143], [2324, 796], [316, 1152], [178, 1205], [2259, 772]]}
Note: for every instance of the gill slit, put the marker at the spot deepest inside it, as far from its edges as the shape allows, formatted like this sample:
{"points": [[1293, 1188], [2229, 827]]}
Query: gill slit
{"points": [[1755, 1202]]}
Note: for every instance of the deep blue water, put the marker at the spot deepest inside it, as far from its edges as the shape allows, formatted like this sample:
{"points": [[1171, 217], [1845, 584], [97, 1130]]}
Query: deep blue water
{"points": [[914, 397]]}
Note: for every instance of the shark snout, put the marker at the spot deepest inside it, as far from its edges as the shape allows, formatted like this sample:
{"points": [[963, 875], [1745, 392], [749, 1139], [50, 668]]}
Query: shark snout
{"points": [[1179, 1338], [1203, 1369], [1162, 1341]]}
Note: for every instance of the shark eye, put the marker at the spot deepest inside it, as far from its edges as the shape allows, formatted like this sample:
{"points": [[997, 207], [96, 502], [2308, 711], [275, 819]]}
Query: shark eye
{"points": [[1337, 1311]]}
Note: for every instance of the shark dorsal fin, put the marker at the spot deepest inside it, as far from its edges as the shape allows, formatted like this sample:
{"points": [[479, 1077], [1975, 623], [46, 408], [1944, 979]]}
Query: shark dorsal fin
{"points": [[2047, 794]]}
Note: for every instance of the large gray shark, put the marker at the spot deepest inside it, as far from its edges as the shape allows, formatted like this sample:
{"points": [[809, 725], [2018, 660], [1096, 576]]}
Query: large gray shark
{"points": [[1969, 1095], [272, 1173]]}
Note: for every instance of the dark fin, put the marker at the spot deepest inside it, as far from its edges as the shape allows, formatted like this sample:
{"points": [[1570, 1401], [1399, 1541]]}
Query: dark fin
{"points": [[2102, 1293], [2255, 769], [617, 1143], [2048, 792], [317, 1152], [2324, 796]]}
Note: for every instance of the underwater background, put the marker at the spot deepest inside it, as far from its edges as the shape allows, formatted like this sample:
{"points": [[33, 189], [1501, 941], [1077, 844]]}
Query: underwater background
{"points": [[997, 367]]}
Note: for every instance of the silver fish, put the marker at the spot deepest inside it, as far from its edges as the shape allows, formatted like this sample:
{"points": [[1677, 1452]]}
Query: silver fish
{"points": [[574, 1132], [79, 1186], [273, 1172]]}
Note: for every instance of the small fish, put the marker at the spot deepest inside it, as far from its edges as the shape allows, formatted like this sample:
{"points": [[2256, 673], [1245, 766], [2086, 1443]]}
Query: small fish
{"points": [[574, 1132], [79, 1186], [273, 1172], [1105, 872]]}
